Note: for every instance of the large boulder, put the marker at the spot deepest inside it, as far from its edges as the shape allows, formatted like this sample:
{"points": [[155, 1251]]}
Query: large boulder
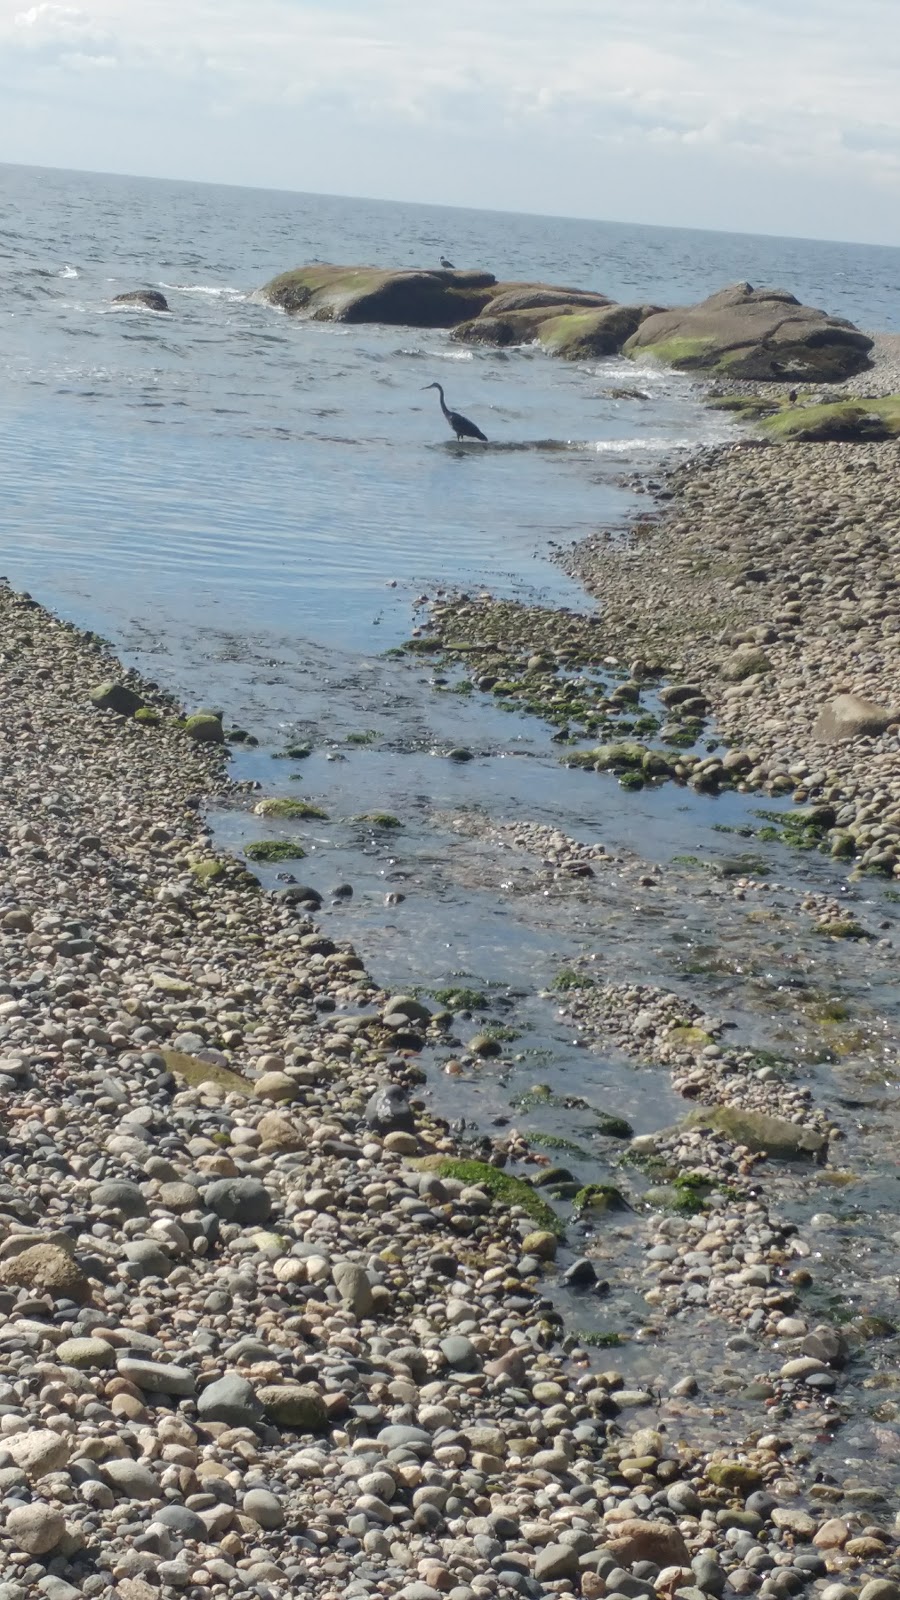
{"points": [[763, 334], [850, 716], [848, 421], [415, 299]]}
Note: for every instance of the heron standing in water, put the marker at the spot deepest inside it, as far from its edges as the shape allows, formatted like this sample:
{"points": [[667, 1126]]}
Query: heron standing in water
{"points": [[462, 427]]}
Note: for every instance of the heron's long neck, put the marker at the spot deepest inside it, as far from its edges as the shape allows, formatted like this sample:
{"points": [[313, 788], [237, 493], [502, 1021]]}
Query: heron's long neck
{"points": [[443, 401]]}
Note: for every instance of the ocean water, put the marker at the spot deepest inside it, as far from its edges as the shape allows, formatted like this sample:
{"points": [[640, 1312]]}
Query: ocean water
{"points": [[228, 470]]}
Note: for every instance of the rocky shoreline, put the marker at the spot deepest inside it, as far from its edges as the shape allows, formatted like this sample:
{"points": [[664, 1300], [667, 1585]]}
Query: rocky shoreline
{"points": [[265, 1329]]}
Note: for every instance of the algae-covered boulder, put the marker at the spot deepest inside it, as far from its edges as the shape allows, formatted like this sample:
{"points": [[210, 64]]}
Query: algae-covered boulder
{"points": [[416, 299], [147, 299], [581, 335], [112, 696], [847, 421], [205, 727], [763, 334]]}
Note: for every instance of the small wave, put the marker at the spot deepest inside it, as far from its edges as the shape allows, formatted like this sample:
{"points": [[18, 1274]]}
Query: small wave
{"points": [[215, 291], [67, 272], [451, 355]]}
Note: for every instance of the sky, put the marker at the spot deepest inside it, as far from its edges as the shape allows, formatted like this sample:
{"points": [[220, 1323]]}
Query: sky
{"points": [[761, 116]]}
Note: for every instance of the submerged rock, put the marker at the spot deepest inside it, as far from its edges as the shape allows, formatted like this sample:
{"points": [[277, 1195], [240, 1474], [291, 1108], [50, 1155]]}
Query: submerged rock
{"points": [[149, 299], [770, 1136]]}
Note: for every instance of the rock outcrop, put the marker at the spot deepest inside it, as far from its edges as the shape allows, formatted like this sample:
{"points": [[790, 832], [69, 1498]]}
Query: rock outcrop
{"points": [[415, 299], [149, 299], [844, 421], [849, 716], [761, 334]]}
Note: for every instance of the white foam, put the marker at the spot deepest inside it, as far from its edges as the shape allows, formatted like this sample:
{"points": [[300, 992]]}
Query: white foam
{"points": [[67, 272], [215, 291]]}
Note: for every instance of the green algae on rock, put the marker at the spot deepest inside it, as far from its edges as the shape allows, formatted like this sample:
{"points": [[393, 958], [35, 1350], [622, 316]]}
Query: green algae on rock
{"points": [[842, 420], [206, 872], [274, 850], [205, 727], [501, 1186], [118, 697]]}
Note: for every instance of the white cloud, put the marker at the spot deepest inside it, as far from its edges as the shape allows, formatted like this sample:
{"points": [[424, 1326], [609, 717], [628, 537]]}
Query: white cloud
{"points": [[807, 86]]}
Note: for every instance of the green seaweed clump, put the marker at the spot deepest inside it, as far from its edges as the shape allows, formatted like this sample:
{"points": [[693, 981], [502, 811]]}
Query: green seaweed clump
{"points": [[274, 850], [379, 819], [598, 1197], [553, 1141], [501, 1186], [600, 1339], [207, 871], [147, 717], [570, 979], [461, 999]]}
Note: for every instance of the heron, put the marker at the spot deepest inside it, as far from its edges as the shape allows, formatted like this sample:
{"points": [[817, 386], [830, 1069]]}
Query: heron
{"points": [[462, 427], [447, 265]]}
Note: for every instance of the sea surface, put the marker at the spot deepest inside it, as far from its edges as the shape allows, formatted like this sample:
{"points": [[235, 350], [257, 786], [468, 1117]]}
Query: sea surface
{"points": [[251, 509]]}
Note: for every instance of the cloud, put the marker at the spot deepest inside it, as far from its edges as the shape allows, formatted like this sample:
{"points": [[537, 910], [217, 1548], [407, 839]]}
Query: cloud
{"points": [[807, 87]]}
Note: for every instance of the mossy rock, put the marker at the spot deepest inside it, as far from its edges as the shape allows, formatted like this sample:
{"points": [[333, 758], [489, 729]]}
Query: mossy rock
{"points": [[689, 1037], [745, 405], [612, 1127], [738, 1476], [205, 727], [684, 353], [118, 697], [841, 929], [194, 1072], [617, 757], [290, 810], [207, 872], [582, 335], [267, 850], [843, 420], [379, 819], [147, 717], [502, 1187]]}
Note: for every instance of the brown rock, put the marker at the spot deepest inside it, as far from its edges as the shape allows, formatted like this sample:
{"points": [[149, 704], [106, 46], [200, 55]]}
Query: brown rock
{"points": [[280, 1133], [47, 1269], [640, 1540], [833, 1534], [849, 716]]}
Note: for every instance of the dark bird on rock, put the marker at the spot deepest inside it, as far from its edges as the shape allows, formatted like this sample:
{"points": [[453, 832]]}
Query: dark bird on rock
{"points": [[447, 265], [462, 427], [793, 397]]}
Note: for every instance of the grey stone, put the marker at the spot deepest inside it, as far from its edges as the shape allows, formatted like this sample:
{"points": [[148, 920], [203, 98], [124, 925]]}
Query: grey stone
{"points": [[230, 1399], [144, 1259], [880, 1589], [460, 1353], [242, 1200], [117, 1195], [352, 1283], [156, 1376], [555, 1561], [183, 1521], [129, 1479], [684, 1499], [402, 1435], [35, 1528], [388, 1110], [264, 1507]]}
